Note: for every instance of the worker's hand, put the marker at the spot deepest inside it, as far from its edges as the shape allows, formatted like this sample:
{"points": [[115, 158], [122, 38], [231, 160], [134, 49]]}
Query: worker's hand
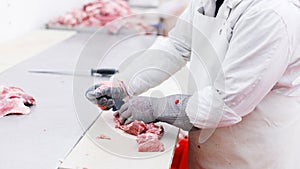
{"points": [[169, 109], [107, 94], [137, 108]]}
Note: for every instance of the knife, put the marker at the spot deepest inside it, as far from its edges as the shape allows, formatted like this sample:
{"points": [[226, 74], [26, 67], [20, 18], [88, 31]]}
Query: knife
{"points": [[92, 72]]}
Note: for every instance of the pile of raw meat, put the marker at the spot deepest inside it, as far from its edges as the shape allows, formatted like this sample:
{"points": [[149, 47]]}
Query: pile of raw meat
{"points": [[99, 13], [14, 100], [148, 135]]}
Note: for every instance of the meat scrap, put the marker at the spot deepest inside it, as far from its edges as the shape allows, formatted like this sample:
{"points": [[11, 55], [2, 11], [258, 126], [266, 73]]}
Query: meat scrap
{"points": [[102, 136], [148, 135], [14, 100]]}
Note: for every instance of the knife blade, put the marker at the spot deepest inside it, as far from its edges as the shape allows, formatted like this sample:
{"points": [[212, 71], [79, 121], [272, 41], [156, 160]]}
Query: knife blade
{"points": [[92, 72]]}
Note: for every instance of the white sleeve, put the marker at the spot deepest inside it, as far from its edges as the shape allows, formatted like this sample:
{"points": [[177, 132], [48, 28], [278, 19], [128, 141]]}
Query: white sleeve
{"points": [[164, 58], [256, 59]]}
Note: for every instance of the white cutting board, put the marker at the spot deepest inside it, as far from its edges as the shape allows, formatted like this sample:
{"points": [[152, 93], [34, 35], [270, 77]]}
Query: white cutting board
{"points": [[121, 150]]}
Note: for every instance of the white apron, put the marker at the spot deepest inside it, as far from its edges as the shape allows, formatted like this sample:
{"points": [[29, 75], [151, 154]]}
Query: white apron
{"points": [[266, 138]]}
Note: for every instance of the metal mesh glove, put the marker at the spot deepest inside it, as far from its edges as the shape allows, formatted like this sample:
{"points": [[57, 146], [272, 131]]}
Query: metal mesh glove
{"points": [[170, 109], [107, 94]]}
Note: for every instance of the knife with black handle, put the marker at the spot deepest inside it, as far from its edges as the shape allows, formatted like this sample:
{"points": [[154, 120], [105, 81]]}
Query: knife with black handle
{"points": [[92, 72]]}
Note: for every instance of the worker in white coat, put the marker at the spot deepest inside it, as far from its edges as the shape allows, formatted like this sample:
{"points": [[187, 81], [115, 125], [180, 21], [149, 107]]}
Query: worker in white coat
{"points": [[250, 91]]}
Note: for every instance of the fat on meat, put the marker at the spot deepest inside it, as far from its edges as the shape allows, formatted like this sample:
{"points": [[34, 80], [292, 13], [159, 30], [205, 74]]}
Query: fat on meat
{"points": [[142, 138], [152, 145], [14, 100]]}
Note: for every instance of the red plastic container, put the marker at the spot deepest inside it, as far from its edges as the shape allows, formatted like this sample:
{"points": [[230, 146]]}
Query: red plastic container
{"points": [[180, 159]]}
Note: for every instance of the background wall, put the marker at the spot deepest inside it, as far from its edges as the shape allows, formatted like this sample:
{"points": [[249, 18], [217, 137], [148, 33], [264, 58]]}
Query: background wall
{"points": [[18, 17]]}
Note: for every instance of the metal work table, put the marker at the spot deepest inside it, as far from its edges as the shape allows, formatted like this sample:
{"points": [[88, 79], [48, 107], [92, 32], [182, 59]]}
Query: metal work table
{"points": [[62, 114]]}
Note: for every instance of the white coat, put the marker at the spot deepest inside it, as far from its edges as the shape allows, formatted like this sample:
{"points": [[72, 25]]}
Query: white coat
{"points": [[260, 92]]}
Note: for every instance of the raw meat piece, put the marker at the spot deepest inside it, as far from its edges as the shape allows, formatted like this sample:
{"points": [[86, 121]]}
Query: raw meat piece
{"points": [[15, 92], [101, 12], [13, 100], [134, 128], [97, 14], [155, 129], [116, 118], [152, 145], [149, 142], [142, 138], [148, 135], [139, 127]]}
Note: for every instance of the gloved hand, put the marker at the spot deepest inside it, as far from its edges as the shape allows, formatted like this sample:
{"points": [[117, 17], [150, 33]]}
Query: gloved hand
{"points": [[107, 94], [170, 109]]}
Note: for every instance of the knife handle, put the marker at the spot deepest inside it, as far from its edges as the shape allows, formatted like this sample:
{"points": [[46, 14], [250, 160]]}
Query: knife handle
{"points": [[103, 71]]}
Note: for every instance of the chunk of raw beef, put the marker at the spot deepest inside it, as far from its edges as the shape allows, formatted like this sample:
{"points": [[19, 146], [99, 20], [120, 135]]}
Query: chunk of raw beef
{"points": [[148, 135]]}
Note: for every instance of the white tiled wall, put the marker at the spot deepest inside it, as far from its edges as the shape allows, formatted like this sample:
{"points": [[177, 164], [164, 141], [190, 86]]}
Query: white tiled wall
{"points": [[18, 17]]}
